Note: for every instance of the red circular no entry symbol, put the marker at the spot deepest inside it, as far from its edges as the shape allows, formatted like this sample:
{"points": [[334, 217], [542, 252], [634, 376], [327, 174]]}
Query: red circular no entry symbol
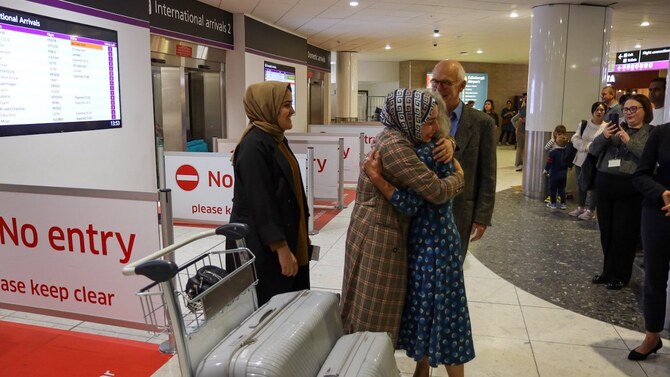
{"points": [[187, 177]]}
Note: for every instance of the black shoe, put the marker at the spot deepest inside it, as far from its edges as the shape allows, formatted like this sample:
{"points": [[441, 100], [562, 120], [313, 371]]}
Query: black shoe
{"points": [[634, 355], [599, 279], [615, 285]]}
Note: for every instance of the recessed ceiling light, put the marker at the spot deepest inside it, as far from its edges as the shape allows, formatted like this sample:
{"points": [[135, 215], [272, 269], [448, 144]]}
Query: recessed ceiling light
{"points": [[645, 23], [388, 47], [480, 51], [638, 45], [353, 3], [436, 34], [514, 14]]}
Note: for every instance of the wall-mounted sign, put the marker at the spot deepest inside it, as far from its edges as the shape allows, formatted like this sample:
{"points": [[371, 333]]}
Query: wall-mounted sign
{"points": [[281, 73], [476, 89], [652, 59]]}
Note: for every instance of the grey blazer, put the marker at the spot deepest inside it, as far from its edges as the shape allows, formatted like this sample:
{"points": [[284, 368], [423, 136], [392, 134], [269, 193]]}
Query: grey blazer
{"points": [[476, 152]]}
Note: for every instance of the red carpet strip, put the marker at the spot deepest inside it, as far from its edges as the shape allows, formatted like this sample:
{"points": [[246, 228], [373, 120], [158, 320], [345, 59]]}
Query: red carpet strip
{"points": [[33, 351]]}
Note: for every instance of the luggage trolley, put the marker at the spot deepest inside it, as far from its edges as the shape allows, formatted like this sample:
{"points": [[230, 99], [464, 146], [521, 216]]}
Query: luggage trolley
{"points": [[198, 323]]}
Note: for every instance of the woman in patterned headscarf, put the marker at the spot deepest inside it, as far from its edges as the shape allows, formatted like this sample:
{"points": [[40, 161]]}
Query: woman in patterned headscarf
{"points": [[375, 268], [269, 195]]}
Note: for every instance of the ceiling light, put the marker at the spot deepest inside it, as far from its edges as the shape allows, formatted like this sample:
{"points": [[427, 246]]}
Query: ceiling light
{"points": [[388, 47], [353, 3], [645, 23], [514, 14], [436, 33], [480, 51], [638, 45]]}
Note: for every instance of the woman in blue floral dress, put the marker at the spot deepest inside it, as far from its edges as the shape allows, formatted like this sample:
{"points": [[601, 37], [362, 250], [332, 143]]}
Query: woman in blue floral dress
{"points": [[435, 326]]}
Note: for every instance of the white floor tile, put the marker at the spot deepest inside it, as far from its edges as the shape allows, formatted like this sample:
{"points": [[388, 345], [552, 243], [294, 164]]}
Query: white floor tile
{"points": [[560, 360], [491, 290], [563, 326], [501, 357], [497, 320]]}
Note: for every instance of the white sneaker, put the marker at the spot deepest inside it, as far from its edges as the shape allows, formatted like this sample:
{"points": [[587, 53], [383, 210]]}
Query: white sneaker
{"points": [[562, 206], [587, 215], [551, 205], [578, 211]]}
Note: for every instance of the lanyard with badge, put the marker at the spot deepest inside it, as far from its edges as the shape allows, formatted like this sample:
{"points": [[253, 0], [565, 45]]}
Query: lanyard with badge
{"points": [[614, 164]]}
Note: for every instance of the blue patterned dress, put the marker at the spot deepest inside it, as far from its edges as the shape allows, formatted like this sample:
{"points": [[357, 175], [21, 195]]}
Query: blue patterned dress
{"points": [[435, 320]]}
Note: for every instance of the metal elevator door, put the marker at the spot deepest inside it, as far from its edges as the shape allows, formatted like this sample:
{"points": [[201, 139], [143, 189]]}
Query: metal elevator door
{"points": [[315, 115], [188, 104]]}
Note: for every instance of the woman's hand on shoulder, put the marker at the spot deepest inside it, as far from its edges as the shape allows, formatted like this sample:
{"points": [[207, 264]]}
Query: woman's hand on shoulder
{"points": [[444, 150], [372, 166]]}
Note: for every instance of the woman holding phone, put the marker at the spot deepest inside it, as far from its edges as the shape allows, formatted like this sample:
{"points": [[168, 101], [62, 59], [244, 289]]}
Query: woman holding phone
{"points": [[619, 148]]}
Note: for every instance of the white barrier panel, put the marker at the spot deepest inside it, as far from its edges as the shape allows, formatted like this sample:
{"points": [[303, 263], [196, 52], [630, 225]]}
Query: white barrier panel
{"points": [[328, 166], [369, 131], [62, 251], [202, 185], [352, 151], [326, 162]]}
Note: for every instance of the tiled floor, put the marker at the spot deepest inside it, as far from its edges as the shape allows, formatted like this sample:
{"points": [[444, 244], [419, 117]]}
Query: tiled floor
{"points": [[516, 334]]}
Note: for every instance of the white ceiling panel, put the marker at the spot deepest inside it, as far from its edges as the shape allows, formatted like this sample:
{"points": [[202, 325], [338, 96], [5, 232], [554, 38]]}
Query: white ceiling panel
{"points": [[465, 25]]}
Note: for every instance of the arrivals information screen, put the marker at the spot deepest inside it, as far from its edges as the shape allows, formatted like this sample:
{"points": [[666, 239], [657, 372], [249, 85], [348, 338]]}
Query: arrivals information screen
{"points": [[56, 76]]}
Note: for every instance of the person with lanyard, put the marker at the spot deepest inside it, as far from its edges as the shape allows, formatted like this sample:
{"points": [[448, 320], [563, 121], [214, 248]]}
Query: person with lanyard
{"points": [[619, 148]]}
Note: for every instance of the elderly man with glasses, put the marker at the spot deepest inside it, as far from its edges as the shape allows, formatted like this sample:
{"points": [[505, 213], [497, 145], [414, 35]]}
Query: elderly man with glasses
{"points": [[475, 140]]}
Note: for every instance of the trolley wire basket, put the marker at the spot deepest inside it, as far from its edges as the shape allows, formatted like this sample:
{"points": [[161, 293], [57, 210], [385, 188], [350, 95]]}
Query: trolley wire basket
{"points": [[197, 322], [238, 279]]}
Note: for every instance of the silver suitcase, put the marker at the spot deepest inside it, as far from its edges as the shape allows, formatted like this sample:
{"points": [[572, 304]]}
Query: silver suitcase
{"points": [[361, 354], [291, 335]]}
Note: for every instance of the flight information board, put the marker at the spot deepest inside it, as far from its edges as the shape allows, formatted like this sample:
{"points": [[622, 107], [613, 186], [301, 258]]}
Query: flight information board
{"points": [[56, 76]]}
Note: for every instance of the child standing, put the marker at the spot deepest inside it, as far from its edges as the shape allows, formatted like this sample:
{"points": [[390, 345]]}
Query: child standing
{"points": [[551, 144], [557, 170]]}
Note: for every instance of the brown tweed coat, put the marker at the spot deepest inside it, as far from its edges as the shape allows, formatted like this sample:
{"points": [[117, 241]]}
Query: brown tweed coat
{"points": [[375, 267]]}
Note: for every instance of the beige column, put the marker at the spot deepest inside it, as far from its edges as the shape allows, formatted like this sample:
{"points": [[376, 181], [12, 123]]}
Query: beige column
{"points": [[347, 86]]}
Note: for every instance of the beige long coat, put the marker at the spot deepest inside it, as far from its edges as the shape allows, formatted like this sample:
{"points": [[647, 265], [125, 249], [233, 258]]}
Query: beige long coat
{"points": [[375, 268]]}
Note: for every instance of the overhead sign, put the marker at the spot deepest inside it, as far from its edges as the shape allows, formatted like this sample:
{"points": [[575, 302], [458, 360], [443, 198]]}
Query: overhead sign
{"points": [[192, 21], [652, 59], [628, 57]]}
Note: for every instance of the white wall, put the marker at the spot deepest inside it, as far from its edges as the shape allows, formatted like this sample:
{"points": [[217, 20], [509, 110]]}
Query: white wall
{"points": [[116, 159], [378, 71], [378, 78], [254, 73]]}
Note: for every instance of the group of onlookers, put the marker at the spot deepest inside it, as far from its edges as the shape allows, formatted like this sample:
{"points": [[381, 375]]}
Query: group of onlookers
{"points": [[621, 167]]}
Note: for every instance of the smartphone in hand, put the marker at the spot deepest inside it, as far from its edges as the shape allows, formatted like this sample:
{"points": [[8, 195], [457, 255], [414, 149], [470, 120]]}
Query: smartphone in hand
{"points": [[614, 118]]}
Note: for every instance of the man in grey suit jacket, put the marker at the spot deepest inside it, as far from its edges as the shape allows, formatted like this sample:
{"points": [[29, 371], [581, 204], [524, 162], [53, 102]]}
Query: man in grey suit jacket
{"points": [[474, 134]]}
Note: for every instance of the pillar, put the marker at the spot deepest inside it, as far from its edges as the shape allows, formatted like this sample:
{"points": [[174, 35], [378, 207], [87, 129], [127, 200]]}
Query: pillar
{"points": [[569, 46], [347, 86]]}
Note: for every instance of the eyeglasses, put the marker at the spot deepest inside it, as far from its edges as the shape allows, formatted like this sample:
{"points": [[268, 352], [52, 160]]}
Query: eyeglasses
{"points": [[435, 83], [630, 110]]}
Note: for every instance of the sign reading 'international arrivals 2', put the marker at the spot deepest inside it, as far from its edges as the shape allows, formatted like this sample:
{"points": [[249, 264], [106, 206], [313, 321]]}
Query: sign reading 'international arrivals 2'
{"points": [[652, 59]]}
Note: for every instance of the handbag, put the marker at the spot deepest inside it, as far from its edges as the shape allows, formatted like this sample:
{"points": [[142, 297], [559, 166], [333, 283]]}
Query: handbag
{"points": [[587, 176], [204, 278]]}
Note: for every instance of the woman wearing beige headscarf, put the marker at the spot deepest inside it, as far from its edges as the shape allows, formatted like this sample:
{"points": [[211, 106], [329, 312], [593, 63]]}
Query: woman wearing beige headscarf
{"points": [[269, 195]]}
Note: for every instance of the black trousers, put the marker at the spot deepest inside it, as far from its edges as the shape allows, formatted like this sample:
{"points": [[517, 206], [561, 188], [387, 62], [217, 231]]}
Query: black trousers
{"points": [[619, 213], [656, 243]]}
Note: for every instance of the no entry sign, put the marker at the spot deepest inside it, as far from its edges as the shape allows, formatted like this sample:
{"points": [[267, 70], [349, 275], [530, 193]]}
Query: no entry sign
{"points": [[187, 177]]}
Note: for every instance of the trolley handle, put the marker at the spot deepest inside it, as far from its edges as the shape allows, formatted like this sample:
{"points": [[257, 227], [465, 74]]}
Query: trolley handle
{"points": [[234, 231]]}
